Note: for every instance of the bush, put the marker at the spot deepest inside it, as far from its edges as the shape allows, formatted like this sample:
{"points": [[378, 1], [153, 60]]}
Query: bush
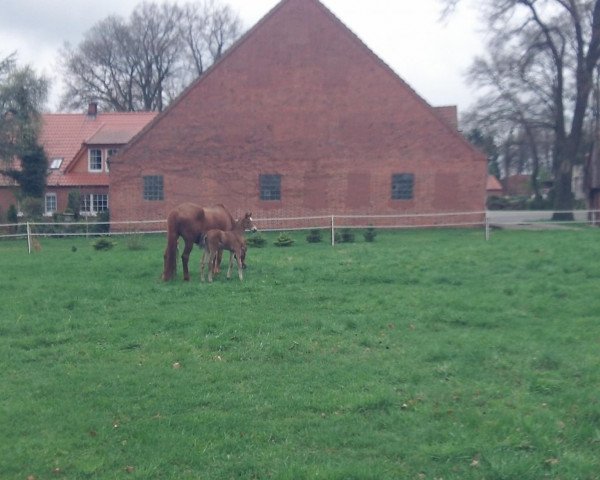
{"points": [[73, 204], [12, 215], [33, 207], [102, 225], [347, 236], [370, 234], [103, 244], [256, 240], [314, 236], [284, 240]]}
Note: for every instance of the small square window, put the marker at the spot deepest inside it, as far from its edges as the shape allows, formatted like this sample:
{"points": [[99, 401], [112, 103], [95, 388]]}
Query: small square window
{"points": [[402, 186], [154, 188], [270, 187]]}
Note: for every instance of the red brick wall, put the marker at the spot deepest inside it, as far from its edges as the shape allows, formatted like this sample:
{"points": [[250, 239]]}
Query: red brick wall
{"points": [[302, 97]]}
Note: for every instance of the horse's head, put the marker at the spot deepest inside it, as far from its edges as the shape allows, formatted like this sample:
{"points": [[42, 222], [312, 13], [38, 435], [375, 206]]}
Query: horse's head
{"points": [[248, 223]]}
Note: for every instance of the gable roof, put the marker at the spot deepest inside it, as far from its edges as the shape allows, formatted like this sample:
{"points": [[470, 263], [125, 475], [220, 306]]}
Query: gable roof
{"points": [[442, 115], [493, 184]]}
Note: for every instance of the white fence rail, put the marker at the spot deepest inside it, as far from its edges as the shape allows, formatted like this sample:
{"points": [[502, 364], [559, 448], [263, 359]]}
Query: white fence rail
{"points": [[484, 219]]}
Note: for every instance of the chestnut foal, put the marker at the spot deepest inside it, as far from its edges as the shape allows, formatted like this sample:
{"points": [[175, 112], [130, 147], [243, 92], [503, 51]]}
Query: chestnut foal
{"points": [[215, 241]]}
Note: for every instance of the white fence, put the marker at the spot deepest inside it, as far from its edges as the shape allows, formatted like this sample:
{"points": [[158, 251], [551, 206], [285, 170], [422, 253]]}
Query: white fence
{"points": [[483, 219]]}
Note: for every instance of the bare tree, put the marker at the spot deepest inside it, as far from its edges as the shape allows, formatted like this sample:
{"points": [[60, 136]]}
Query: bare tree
{"points": [[552, 47], [102, 68], [144, 62], [208, 29]]}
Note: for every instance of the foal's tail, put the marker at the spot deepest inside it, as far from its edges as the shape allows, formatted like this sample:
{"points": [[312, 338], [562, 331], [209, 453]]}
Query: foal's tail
{"points": [[170, 256]]}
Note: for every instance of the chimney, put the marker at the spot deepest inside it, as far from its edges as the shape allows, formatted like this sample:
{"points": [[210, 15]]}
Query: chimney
{"points": [[92, 109]]}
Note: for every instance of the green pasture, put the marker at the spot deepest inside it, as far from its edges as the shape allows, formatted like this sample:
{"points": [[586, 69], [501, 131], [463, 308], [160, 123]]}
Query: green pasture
{"points": [[423, 355]]}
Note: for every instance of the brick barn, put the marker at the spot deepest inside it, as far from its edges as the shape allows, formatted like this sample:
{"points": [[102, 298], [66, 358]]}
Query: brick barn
{"points": [[299, 118]]}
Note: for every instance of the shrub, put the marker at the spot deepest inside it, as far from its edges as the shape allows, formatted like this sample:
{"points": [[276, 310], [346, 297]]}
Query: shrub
{"points": [[347, 236], [314, 236], [102, 225], [33, 207], [73, 204], [256, 240], [284, 240], [370, 234], [12, 215], [103, 244]]}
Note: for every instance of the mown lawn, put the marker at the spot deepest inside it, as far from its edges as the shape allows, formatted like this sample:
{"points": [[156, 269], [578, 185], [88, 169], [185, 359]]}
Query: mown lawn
{"points": [[423, 355]]}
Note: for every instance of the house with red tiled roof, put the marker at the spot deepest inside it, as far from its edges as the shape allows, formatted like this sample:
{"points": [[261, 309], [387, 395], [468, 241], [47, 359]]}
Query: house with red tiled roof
{"points": [[493, 187], [79, 147]]}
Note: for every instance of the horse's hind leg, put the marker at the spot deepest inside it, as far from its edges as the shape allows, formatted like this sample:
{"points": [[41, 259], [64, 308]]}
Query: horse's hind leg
{"points": [[202, 263], [185, 258]]}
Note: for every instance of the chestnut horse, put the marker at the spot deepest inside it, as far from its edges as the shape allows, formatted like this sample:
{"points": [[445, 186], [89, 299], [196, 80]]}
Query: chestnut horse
{"points": [[215, 241], [191, 222]]}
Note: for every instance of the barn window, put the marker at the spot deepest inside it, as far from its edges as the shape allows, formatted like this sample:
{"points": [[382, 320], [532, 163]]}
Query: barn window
{"points": [[402, 186], [153, 187], [270, 187], [95, 160]]}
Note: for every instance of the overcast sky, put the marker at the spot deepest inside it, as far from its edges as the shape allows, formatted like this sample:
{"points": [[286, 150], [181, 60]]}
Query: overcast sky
{"points": [[431, 55]]}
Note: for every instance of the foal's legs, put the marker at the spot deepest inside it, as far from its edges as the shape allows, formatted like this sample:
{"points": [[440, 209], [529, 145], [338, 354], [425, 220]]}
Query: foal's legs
{"points": [[211, 262], [238, 258], [185, 258], [240, 265]]}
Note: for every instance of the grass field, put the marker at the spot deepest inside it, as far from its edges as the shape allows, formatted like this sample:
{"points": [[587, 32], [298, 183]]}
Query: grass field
{"points": [[423, 355]]}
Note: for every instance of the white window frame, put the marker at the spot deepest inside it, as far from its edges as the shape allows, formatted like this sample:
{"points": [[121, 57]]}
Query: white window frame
{"points": [[48, 196], [95, 170], [89, 200]]}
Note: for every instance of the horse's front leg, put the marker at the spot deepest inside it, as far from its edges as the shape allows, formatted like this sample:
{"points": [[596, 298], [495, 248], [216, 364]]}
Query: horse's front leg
{"points": [[240, 266], [185, 258]]}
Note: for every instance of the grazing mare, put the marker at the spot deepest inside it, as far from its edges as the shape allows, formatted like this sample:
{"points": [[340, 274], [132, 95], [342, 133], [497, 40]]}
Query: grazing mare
{"points": [[215, 241], [191, 222]]}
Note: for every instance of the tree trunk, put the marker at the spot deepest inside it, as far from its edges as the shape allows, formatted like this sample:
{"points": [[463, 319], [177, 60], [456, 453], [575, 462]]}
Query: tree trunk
{"points": [[563, 195]]}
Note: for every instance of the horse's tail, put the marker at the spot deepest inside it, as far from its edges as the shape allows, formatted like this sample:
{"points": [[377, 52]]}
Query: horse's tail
{"points": [[170, 256]]}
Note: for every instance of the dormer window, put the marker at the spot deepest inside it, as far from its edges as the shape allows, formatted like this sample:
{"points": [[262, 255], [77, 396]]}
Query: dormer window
{"points": [[55, 163], [95, 160]]}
